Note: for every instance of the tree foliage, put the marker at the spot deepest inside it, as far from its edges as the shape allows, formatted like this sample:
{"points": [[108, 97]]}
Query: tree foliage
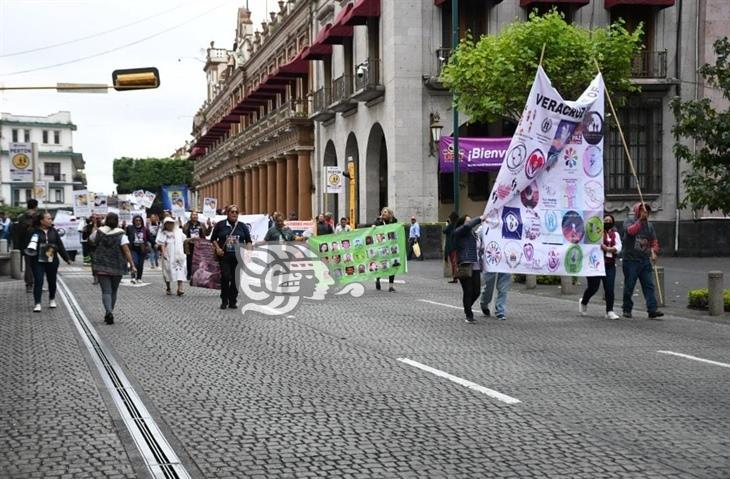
{"points": [[150, 174], [491, 77], [707, 182]]}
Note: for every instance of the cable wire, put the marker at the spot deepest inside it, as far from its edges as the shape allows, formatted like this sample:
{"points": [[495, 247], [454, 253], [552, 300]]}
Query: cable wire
{"points": [[105, 52], [94, 35]]}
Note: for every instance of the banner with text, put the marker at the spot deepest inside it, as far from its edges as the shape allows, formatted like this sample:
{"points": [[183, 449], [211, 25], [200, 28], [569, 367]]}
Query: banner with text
{"points": [[21, 168], [545, 212], [363, 254], [476, 154], [67, 226]]}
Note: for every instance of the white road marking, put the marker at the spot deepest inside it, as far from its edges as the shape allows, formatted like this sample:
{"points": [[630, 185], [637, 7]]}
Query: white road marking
{"points": [[441, 304], [476, 387], [708, 361]]}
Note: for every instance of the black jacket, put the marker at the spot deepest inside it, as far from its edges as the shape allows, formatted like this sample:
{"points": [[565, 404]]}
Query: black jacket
{"points": [[465, 242], [49, 243], [225, 233]]}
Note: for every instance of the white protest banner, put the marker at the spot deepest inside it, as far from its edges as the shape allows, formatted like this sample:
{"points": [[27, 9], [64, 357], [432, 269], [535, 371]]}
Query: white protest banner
{"points": [[125, 208], [333, 179], [101, 205], [257, 225], [68, 229], [545, 212], [20, 162], [137, 197], [81, 204], [209, 207], [148, 199]]}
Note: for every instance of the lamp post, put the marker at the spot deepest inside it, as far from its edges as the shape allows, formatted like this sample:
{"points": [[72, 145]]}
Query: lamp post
{"points": [[457, 155]]}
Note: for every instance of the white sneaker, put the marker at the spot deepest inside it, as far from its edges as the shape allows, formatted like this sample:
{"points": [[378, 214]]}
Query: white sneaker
{"points": [[52, 304], [37, 308], [582, 308], [612, 315]]}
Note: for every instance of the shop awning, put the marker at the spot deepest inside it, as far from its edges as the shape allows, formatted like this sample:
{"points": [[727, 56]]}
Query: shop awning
{"points": [[477, 154], [317, 52], [532, 3], [644, 3], [296, 67], [357, 13]]}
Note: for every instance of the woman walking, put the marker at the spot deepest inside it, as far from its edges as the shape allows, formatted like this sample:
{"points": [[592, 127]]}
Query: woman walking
{"points": [[611, 247], [386, 218], [174, 263], [138, 236], [449, 250], [153, 226], [110, 261], [44, 248], [467, 257]]}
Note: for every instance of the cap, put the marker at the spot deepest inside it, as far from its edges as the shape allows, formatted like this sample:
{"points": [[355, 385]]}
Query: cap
{"points": [[413, 217]]}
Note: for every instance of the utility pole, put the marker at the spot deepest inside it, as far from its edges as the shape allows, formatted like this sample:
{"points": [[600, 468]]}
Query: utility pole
{"points": [[457, 156], [34, 167]]}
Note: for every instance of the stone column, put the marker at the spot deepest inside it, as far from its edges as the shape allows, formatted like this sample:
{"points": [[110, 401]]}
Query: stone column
{"points": [[262, 188], [270, 186], [281, 186], [305, 185], [247, 191], [254, 190], [292, 200], [232, 192]]}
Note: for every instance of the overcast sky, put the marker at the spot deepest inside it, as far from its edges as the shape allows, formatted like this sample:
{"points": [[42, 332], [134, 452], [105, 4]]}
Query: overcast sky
{"points": [[136, 124]]}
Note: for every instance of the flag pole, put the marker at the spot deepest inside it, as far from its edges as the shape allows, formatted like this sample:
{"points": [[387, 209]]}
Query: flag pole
{"points": [[633, 172], [542, 53]]}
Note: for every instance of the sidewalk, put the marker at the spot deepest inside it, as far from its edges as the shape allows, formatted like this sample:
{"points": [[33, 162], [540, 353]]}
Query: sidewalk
{"points": [[53, 422]]}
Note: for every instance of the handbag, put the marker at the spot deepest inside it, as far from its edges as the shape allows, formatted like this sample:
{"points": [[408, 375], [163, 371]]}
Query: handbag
{"points": [[464, 270]]}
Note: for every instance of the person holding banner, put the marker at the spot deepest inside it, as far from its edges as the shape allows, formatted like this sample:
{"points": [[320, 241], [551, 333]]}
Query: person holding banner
{"points": [[139, 238], [611, 247], [469, 264], [170, 241], [226, 237], [344, 226], [279, 232], [640, 248], [193, 231], [386, 218]]}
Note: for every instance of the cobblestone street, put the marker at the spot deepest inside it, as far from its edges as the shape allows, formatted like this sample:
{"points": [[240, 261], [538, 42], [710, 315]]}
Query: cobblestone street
{"points": [[332, 391]]}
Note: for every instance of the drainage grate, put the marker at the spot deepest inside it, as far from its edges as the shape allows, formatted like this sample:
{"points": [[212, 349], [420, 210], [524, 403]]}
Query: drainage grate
{"points": [[160, 459]]}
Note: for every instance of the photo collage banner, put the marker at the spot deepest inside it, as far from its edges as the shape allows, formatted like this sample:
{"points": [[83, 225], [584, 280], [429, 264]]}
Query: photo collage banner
{"points": [[545, 212]]}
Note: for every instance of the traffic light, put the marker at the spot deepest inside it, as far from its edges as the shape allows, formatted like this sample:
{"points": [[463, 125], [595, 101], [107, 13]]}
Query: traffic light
{"points": [[135, 79]]}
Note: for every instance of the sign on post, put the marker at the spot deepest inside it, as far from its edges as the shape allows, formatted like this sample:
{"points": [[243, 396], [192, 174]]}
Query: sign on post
{"points": [[20, 162], [334, 180]]}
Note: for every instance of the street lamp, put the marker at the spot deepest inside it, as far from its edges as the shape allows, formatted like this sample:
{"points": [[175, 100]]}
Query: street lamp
{"points": [[122, 80], [457, 155], [435, 126]]}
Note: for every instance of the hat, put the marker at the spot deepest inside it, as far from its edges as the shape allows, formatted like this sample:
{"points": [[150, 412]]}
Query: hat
{"points": [[168, 220], [413, 217]]}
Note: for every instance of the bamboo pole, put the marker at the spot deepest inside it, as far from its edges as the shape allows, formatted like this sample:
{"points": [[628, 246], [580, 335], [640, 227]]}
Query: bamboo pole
{"points": [[633, 172]]}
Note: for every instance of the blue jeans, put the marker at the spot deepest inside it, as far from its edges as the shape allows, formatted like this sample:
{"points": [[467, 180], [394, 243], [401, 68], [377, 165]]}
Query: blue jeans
{"points": [[138, 259], [642, 271], [154, 255], [504, 281]]}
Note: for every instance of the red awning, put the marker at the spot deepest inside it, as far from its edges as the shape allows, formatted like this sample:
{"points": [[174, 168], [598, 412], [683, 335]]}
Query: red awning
{"points": [[644, 3], [530, 3], [439, 2], [334, 34], [317, 52], [358, 12], [296, 67]]}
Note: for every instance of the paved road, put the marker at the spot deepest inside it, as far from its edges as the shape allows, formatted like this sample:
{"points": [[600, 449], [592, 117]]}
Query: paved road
{"points": [[324, 394]]}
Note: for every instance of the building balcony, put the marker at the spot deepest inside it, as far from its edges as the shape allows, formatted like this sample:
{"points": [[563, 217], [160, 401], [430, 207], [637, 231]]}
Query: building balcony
{"points": [[320, 105], [341, 92], [56, 178], [433, 81], [649, 65], [368, 83]]}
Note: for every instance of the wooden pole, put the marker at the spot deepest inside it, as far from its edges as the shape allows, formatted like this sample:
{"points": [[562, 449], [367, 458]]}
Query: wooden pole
{"points": [[542, 53]]}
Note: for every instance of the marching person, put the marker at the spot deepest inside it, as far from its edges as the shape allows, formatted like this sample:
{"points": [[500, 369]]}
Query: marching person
{"points": [[611, 247], [174, 264], [227, 235], [111, 257], [94, 221], [386, 218], [467, 256], [21, 232], [279, 231], [193, 230], [449, 247], [153, 227], [414, 238], [44, 247], [323, 227], [138, 237], [640, 249], [344, 226]]}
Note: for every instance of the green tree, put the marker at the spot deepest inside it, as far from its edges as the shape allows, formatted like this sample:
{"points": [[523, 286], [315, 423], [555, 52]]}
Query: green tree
{"points": [[492, 76], [150, 174], [707, 182]]}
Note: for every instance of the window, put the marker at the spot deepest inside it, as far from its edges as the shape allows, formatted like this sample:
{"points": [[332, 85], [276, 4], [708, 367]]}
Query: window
{"points": [[478, 186], [641, 121], [446, 187], [472, 18], [15, 136], [57, 137], [45, 137], [52, 169], [58, 195], [26, 134]]}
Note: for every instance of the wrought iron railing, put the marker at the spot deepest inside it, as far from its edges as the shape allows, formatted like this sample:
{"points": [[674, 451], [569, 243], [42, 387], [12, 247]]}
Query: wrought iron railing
{"points": [[648, 64], [321, 100], [341, 88]]}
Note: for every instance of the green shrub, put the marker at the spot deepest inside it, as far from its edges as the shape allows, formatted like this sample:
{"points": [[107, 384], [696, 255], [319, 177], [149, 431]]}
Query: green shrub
{"points": [[699, 299]]}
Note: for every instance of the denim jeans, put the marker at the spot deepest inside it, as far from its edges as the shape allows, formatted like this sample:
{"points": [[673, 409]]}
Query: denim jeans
{"points": [[50, 270], [642, 271], [154, 256], [138, 259], [609, 282], [503, 281]]}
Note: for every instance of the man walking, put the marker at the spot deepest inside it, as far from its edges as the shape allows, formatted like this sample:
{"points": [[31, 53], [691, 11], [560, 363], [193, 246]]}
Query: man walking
{"points": [[640, 247], [414, 238], [226, 237], [21, 237]]}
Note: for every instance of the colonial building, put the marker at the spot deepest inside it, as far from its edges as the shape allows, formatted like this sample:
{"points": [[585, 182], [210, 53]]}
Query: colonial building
{"points": [[58, 164], [355, 83]]}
